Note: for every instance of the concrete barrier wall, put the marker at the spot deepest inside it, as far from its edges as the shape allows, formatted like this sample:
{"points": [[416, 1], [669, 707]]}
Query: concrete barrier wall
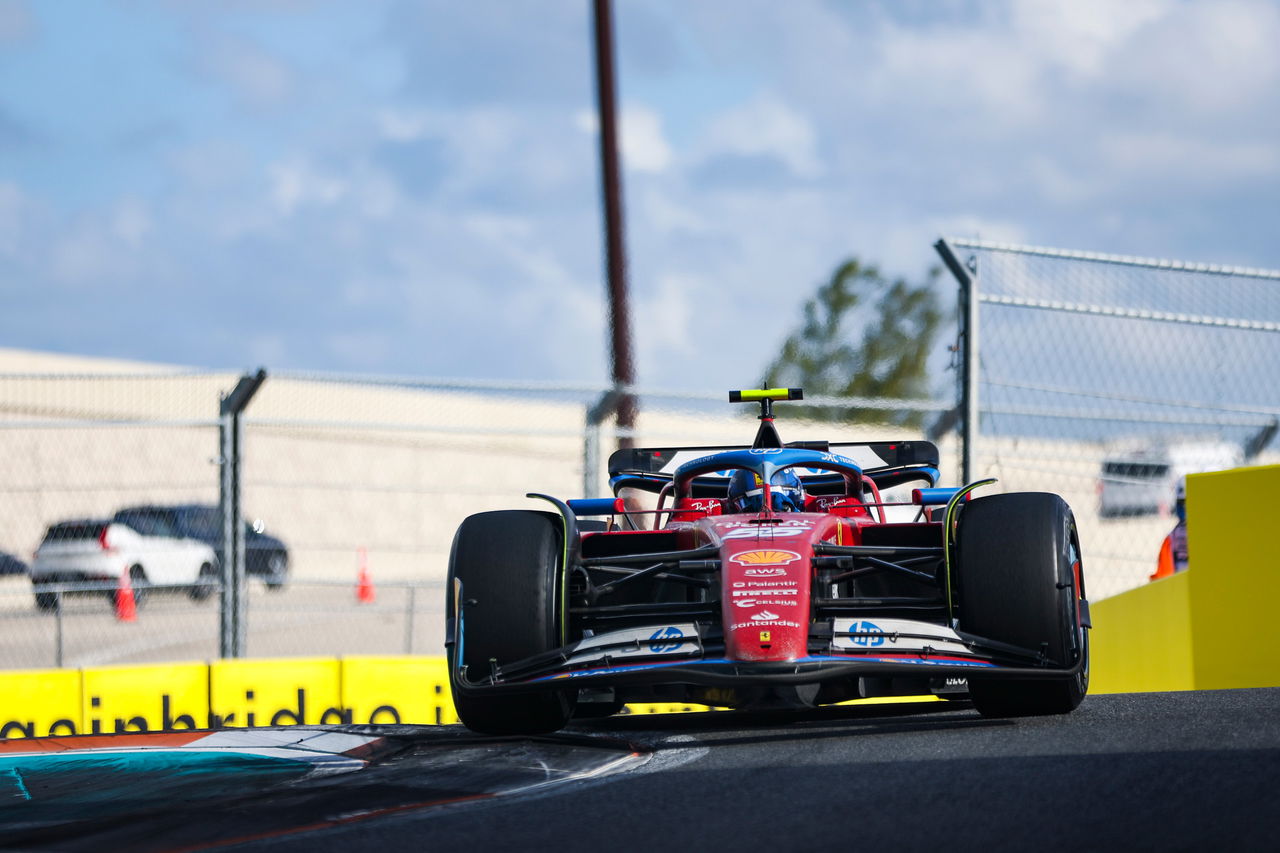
{"points": [[1213, 626]]}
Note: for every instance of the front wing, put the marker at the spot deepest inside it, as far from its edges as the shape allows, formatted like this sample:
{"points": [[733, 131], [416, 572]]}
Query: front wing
{"points": [[693, 654]]}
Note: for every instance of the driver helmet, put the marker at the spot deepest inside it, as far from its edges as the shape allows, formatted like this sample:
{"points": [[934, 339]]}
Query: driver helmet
{"points": [[746, 492]]}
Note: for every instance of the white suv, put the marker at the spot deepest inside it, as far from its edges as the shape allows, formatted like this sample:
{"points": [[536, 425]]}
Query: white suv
{"points": [[97, 550]]}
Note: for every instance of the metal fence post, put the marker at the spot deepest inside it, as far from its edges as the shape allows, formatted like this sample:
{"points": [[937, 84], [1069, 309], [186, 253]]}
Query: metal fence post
{"points": [[232, 615], [57, 610], [604, 407], [967, 277], [408, 621]]}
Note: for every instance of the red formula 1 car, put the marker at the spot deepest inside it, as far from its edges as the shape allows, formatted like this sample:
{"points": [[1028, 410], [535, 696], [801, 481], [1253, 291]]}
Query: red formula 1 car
{"points": [[766, 576]]}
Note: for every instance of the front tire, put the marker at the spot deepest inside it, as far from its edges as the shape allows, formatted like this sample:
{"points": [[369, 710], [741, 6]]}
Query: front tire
{"points": [[1020, 581], [508, 564]]}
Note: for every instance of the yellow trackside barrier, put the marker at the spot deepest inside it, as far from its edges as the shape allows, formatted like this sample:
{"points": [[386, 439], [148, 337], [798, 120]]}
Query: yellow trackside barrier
{"points": [[397, 690], [275, 692], [39, 702], [167, 697], [1212, 626]]}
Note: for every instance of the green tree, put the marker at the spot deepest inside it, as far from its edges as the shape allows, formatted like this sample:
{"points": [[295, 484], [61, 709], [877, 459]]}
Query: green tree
{"points": [[863, 335]]}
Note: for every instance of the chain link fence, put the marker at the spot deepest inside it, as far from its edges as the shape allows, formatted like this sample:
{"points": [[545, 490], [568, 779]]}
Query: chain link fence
{"points": [[360, 481], [1095, 377], [76, 448], [1108, 378]]}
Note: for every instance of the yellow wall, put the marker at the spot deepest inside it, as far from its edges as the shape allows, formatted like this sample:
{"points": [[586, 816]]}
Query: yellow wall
{"points": [[1233, 542], [1212, 626], [1143, 638], [228, 693]]}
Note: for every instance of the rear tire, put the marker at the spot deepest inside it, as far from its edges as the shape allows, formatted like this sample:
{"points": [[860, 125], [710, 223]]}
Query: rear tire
{"points": [[1020, 581], [508, 563]]}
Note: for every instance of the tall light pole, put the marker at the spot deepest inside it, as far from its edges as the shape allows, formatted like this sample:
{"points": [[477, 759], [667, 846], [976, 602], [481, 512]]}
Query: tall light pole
{"points": [[623, 368]]}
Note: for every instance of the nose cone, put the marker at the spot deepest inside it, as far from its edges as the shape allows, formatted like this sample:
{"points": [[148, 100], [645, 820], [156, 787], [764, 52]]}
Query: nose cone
{"points": [[766, 578]]}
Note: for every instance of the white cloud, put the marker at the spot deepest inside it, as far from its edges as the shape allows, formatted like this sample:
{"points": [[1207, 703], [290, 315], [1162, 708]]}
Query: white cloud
{"points": [[1080, 36], [15, 21], [670, 332], [764, 126], [15, 211], [1205, 59], [131, 221], [665, 214], [259, 78], [1193, 160], [644, 146], [296, 183], [403, 125]]}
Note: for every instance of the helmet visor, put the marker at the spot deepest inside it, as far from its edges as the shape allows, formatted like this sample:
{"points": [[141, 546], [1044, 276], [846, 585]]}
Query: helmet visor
{"points": [[781, 500]]}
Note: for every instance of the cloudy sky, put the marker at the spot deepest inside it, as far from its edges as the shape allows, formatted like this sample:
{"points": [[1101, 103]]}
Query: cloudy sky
{"points": [[411, 187]]}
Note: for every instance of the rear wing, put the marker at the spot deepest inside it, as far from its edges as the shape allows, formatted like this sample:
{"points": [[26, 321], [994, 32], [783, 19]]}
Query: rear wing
{"points": [[886, 462]]}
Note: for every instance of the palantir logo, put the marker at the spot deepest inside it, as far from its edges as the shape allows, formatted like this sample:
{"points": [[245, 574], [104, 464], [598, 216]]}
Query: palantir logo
{"points": [[872, 634], [672, 636]]}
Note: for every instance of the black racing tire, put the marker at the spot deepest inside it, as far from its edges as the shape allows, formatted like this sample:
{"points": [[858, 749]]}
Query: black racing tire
{"points": [[509, 565], [1020, 581], [205, 583]]}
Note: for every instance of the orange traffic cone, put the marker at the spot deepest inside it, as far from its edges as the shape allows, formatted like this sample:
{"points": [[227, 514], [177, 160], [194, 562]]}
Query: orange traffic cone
{"points": [[126, 607], [364, 584]]}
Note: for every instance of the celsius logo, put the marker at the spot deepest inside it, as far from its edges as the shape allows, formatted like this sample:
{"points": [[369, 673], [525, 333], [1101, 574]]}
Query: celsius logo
{"points": [[665, 640], [871, 633]]}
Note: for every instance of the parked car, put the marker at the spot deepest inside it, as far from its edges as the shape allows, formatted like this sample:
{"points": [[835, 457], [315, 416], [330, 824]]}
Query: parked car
{"points": [[265, 556], [103, 550], [11, 565], [1141, 479]]}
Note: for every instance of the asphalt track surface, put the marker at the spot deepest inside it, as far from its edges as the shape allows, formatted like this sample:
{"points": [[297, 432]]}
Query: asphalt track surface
{"points": [[1173, 771]]}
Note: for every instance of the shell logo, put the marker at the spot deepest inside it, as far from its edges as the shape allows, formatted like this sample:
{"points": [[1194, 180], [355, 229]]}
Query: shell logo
{"points": [[771, 557]]}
